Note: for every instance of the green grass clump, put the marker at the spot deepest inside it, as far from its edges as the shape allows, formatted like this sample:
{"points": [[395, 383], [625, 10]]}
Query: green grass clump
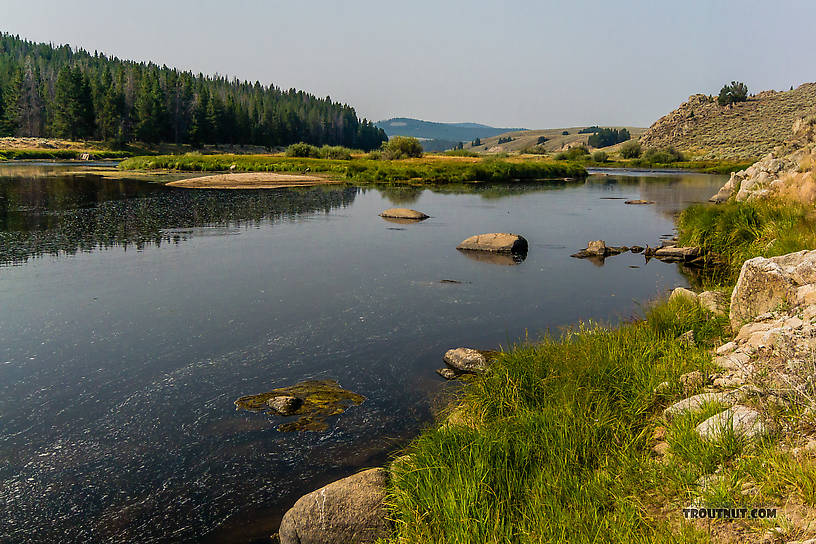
{"points": [[558, 452], [419, 171], [733, 232]]}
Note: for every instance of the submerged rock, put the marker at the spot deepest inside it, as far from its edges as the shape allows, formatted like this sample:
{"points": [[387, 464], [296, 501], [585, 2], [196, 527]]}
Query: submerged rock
{"points": [[447, 373], [348, 510], [285, 405], [497, 242], [639, 202], [504, 259], [403, 213], [313, 400]]}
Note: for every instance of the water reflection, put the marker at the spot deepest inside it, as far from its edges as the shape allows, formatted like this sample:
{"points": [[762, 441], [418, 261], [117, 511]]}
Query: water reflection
{"points": [[49, 213]]}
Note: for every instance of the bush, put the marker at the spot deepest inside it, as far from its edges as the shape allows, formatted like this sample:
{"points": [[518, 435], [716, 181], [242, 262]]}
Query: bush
{"points": [[460, 153], [542, 139], [335, 152], [302, 150], [535, 150], [565, 133], [630, 150], [600, 156], [662, 156], [736, 92], [573, 154], [401, 147]]}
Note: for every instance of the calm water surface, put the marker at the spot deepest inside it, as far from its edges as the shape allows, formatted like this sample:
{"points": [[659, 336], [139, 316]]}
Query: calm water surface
{"points": [[133, 315]]}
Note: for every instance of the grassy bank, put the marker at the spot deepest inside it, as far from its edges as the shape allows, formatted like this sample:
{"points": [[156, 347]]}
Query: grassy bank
{"points": [[425, 170], [733, 232], [557, 445], [706, 167], [59, 154]]}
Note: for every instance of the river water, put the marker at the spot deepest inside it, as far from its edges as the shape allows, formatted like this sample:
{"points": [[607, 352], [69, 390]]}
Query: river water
{"points": [[133, 315]]}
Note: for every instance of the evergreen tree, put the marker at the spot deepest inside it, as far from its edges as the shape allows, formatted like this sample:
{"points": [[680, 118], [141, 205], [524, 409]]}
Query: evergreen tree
{"points": [[10, 120], [73, 105]]}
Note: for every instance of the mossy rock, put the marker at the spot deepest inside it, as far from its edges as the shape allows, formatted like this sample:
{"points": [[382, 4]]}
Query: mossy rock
{"points": [[321, 400]]}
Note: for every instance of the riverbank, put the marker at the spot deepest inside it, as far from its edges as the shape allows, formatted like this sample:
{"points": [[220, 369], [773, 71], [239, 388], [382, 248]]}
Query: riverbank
{"points": [[642, 431], [419, 171]]}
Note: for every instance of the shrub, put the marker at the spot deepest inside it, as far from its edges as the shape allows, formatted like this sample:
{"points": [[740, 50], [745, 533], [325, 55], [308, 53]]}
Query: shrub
{"points": [[460, 153], [736, 92], [662, 156], [542, 139], [630, 150], [375, 155], [573, 154], [565, 133], [335, 152], [302, 150], [535, 150], [600, 156], [401, 147]]}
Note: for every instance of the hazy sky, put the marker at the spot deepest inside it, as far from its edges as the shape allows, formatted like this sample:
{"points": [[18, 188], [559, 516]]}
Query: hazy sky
{"points": [[525, 63]]}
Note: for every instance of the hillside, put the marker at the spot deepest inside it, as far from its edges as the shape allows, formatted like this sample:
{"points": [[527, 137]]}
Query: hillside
{"points": [[556, 139], [746, 130], [59, 91], [428, 130]]}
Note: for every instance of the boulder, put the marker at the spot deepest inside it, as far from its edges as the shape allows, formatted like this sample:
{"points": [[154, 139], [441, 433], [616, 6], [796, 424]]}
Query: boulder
{"points": [[682, 294], [497, 242], [764, 284], [598, 248], [285, 405], [714, 301], [697, 402], [403, 213], [465, 360], [745, 422], [348, 510]]}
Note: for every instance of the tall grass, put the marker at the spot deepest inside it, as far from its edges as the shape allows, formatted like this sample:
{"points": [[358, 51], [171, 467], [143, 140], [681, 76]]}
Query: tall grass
{"points": [[428, 170], [558, 451], [733, 232]]}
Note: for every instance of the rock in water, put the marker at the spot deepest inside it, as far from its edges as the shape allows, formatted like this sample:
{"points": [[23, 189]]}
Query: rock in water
{"points": [[497, 242], [639, 202], [285, 405], [403, 213], [466, 360], [672, 253], [598, 248], [348, 510], [447, 373]]}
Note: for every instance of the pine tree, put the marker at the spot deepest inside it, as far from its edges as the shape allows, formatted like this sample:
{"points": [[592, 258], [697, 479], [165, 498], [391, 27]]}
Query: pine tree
{"points": [[73, 105]]}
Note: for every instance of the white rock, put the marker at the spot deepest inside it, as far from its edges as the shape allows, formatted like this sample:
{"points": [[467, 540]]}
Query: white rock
{"points": [[744, 421]]}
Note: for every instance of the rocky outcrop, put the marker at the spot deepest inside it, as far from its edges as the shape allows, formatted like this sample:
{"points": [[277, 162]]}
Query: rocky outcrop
{"points": [[766, 284], [497, 242], [466, 360], [745, 130], [403, 213], [787, 171], [350, 510]]}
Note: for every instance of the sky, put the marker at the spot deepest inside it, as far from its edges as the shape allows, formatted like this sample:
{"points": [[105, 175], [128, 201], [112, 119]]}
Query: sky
{"points": [[532, 64]]}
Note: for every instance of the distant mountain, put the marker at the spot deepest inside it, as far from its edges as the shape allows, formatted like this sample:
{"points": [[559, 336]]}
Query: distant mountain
{"points": [[428, 130]]}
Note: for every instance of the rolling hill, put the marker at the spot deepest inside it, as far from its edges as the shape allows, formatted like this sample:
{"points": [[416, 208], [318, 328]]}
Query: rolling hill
{"points": [[428, 130], [745, 130], [556, 140]]}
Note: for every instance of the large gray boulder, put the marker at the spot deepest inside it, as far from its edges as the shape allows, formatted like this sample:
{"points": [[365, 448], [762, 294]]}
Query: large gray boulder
{"points": [[466, 360], [765, 284], [348, 511], [496, 242]]}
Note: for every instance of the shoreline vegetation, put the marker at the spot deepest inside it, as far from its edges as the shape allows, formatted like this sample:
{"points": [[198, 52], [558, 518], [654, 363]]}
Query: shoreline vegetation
{"points": [[424, 170], [566, 439]]}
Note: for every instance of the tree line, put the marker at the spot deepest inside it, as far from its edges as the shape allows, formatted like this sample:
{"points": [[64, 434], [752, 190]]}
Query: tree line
{"points": [[58, 91]]}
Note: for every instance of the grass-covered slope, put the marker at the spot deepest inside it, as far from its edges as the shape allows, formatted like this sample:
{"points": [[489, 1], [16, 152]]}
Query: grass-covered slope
{"points": [[750, 129]]}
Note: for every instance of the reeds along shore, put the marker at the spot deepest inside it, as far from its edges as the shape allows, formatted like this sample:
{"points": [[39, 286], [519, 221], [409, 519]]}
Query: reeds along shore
{"points": [[431, 170]]}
